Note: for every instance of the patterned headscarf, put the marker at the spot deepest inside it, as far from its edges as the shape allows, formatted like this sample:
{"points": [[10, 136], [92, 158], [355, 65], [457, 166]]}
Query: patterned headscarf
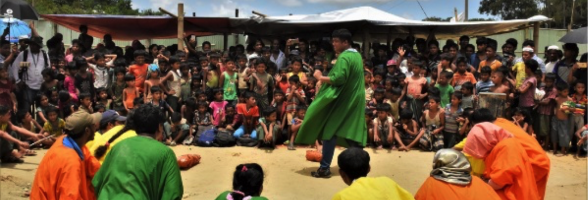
{"points": [[451, 166]]}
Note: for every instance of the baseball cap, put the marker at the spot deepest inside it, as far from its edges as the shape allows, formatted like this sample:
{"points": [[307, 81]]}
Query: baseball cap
{"points": [[79, 120], [391, 62], [110, 115]]}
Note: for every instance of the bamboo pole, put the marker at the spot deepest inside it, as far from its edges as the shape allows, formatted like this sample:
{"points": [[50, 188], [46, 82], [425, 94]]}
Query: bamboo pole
{"points": [[536, 35], [180, 26]]}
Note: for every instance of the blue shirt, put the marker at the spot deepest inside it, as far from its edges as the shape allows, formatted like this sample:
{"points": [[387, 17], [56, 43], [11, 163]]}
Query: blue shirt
{"points": [[483, 86]]}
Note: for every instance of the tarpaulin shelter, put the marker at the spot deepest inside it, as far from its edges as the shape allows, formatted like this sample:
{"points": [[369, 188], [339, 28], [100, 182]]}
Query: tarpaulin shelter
{"points": [[123, 27], [377, 23]]}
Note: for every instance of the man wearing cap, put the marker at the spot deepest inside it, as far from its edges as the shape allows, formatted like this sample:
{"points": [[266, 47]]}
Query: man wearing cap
{"points": [[552, 58], [27, 73], [110, 119], [67, 169], [531, 44], [22, 42]]}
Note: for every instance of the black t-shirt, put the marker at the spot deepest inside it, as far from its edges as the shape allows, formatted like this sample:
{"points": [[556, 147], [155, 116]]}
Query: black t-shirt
{"points": [[85, 84]]}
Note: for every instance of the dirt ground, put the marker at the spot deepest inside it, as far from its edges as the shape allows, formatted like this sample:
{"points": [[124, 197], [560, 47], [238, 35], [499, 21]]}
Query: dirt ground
{"points": [[288, 173]]}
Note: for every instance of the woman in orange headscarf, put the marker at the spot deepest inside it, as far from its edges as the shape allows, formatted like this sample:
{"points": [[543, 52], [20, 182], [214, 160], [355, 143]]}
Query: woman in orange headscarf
{"points": [[508, 167], [451, 179]]}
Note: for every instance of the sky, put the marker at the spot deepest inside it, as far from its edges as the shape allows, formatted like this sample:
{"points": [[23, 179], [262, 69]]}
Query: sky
{"points": [[409, 9]]}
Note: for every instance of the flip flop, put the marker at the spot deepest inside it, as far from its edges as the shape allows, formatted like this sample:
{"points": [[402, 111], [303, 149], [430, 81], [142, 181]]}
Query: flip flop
{"points": [[29, 152]]}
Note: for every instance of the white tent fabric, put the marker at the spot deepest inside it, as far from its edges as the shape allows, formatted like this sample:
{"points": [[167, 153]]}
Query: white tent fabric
{"points": [[378, 23]]}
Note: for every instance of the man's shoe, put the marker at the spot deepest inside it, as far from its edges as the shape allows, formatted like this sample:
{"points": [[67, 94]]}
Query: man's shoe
{"points": [[321, 173]]}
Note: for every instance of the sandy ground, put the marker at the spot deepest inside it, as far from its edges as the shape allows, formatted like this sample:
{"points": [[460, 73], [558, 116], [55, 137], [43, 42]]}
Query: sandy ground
{"points": [[288, 173]]}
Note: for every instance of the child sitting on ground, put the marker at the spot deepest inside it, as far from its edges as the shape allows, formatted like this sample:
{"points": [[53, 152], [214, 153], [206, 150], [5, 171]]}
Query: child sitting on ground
{"points": [[66, 105], [102, 98], [86, 102], [157, 100], [378, 99], [130, 92], [54, 126], [41, 109], [247, 183], [408, 135], [176, 131], [383, 132], [268, 128], [248, 114], [227, 122], [117, 88], [202, 120], [278, 103], [433, 121], [296, 123]]}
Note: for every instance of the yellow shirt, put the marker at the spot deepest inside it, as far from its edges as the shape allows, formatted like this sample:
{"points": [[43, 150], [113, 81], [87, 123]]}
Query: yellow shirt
{"points": [[478, 165], [519, 68], [373, 188], [106, 136], [55, 131]]}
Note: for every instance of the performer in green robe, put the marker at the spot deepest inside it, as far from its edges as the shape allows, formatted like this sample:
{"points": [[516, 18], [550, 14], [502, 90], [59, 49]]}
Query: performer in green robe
{"points": [[140, 167], [336, 116]]}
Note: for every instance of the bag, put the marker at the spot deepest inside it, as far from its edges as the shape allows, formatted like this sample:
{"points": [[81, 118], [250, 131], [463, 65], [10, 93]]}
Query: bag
{"points": [[247, 141], [207, 138], [224, 138], [314, 155], [188, 160], [426, 141]]}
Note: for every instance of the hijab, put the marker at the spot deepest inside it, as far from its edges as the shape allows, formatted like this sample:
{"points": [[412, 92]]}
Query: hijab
{"points": [[482, 138], [451, 166]]}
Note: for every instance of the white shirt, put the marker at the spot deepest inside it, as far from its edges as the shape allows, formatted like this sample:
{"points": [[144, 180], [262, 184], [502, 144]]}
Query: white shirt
{"points": [[536, 58], [101, 76], [549, 66], [280, 61], [34, 79]]}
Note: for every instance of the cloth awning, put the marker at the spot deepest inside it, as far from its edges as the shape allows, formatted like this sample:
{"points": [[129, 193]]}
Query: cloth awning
{"points": [[377, 22], [123, 27]]}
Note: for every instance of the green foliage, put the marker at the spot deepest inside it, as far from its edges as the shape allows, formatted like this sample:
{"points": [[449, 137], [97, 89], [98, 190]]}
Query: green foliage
{"points": [[437, 19], [510, 9], [560, 11], [480, 19], [106, 7]]}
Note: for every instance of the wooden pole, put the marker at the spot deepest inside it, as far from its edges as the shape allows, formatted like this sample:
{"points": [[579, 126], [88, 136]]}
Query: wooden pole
{"points": [[536, 36], [572, 16], [180, 26], [236, 35], [389, 39], [455, 12], [225, 41], [366, 46], [466, 10]]}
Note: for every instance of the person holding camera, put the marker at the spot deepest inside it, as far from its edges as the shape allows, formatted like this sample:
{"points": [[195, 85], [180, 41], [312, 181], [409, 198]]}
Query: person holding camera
{"points": [[26, 70]]}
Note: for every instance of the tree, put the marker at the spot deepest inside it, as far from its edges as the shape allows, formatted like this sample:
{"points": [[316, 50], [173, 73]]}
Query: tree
{"points": [[560, 12], [480, 19], [510, 9], [110, 7], [437, 19]]}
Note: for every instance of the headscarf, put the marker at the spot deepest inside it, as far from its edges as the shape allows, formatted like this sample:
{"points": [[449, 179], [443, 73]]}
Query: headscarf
{"points": [[482, 138], [451, 166]]}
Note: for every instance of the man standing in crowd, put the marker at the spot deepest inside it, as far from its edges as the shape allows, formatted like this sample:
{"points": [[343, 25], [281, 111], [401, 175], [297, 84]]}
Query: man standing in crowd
{"points": [[67, 169], [337, 114], [26, 70]]}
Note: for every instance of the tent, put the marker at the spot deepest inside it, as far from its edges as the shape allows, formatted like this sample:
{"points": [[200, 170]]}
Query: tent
{"points": [[123, 27], [377, 23]]}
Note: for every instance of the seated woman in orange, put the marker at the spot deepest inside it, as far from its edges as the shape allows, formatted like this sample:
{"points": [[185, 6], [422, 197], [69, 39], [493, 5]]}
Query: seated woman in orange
{"points": [[508, 167], [451, 179]]}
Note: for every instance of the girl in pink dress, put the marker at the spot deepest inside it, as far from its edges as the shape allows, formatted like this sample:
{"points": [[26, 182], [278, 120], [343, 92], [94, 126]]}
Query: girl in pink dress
{"points": [[218, 107], [69, 82]]}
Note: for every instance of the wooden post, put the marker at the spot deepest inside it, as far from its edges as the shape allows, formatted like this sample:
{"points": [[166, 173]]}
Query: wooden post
{"points": [[536, 36], [389, 39], [236, 35], [366, 46], [180, 26], [466, 10]]}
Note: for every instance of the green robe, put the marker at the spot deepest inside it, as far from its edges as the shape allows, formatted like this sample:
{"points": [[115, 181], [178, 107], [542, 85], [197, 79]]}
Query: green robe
{"points": [[139, 168], [339, 107]]}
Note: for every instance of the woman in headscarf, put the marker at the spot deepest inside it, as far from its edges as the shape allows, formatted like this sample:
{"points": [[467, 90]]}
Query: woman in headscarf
{"points": [[508, 167], [451, 179]]}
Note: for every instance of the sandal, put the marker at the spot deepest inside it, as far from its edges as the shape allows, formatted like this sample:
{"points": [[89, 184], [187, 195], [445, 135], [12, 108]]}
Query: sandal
{"points": [[291, 147], [29, 152], [321, 173]]}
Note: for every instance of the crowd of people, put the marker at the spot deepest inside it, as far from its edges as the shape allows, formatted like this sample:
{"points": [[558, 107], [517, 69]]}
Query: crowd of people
{"points": [[418, 95]]}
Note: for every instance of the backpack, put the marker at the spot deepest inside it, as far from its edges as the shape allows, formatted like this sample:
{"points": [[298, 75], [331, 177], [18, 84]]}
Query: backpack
{"points": [[224, 138], [247, 141], [25, 56], [207, 138]]}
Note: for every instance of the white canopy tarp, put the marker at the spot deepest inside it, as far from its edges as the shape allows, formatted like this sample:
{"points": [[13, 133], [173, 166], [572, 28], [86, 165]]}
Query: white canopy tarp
{"points": [[378, 23]]}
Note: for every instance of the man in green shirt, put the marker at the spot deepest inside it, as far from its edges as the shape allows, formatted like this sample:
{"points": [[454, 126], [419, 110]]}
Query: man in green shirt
{"points": [[140, 167], [337, 114]]}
